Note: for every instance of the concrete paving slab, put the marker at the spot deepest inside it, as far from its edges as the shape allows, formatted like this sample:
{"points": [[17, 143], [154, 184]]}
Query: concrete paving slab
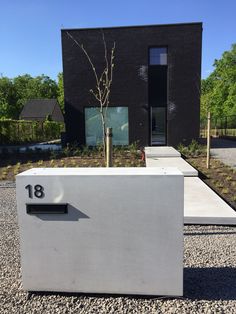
{"points": [[203, 206], [161, 151], [178, 162]]}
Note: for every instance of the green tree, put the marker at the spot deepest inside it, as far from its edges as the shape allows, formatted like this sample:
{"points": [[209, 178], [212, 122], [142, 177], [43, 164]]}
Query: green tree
{"points": [[22, 89], [28, 87], [219, 89], [7, 98], [15, 92], [4, 109], [60, 85]]}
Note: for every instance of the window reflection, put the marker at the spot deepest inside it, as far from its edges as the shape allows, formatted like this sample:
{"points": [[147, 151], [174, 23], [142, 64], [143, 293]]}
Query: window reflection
{"points": [[117, 119], [158, 56]]}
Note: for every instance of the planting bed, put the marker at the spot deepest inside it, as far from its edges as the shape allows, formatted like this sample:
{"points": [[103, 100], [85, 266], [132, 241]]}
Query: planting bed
{"points": [[220, 177], [14, 164]]}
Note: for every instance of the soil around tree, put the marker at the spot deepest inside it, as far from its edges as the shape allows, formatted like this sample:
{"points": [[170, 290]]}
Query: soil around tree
{"points": [[220, 177]]}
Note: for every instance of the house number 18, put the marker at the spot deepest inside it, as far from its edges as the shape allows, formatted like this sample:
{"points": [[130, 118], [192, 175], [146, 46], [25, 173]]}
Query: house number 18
{"points": [[37, 191]]}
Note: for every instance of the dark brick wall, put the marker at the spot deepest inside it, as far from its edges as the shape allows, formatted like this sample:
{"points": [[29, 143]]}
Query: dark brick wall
{"points": [[130, 83]]}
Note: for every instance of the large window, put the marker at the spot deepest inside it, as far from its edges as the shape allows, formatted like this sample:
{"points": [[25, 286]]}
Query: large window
{"points": [[117, 119], [158, 56]]}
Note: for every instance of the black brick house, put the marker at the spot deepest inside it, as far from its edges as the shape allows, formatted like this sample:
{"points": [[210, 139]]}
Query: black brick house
{"points": [[155, 95]]}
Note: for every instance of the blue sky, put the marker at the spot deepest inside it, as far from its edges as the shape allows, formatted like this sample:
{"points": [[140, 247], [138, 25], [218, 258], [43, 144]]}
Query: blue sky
{"points": [[30, 30]]}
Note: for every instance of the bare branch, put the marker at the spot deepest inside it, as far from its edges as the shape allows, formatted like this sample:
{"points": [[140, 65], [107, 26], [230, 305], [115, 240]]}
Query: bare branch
{"points": [[109, 82], [106, 59], [87, 55], [103, 81], [92, 92]]}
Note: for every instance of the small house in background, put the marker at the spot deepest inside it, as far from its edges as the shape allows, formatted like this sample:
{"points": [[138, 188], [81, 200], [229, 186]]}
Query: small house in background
{"points": [[42, 109]]}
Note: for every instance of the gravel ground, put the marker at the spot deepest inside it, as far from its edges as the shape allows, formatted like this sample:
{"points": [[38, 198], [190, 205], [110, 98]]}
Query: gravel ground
{"points": [[225, 150], [209, 275]]}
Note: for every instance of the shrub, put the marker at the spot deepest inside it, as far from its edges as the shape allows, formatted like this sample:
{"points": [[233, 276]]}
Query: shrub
{"points": [[182, 149], [193, 149], [20, 131]]}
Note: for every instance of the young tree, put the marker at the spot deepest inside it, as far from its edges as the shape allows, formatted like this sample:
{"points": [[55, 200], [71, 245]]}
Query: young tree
{"points": [[102, 89]]}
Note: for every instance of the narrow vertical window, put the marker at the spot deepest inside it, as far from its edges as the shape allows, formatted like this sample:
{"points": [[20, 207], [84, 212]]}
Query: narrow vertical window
{"points": [[157, 90]]}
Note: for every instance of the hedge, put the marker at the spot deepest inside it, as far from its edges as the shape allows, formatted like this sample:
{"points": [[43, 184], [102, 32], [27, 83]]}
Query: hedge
{"points": [[22, 131]]}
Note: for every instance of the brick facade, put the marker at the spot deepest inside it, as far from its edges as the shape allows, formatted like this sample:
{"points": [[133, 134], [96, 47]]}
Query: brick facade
{"points": [[130, 83]]}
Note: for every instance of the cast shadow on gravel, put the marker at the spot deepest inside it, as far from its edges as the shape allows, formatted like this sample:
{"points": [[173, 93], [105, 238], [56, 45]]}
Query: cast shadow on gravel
{"points": [[210, 283], [209, 233]]}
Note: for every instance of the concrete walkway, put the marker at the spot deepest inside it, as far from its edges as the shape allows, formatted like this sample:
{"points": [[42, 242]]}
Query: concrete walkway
{"points": [[177, 162], [224, 150], [201, 204], [161, 151]]}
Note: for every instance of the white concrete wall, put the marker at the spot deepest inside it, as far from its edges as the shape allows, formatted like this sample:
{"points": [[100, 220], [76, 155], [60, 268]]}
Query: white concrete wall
{"points": [[123, 232]]}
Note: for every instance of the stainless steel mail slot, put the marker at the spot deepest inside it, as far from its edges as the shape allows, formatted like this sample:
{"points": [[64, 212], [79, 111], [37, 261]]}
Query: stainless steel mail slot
{"points": [[35, 209]]}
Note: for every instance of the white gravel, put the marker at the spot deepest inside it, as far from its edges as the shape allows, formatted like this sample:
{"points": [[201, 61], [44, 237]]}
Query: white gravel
{"points": [[209, 275]]}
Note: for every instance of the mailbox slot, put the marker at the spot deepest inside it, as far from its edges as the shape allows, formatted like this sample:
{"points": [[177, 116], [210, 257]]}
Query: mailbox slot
{"points": [[35, 209]]}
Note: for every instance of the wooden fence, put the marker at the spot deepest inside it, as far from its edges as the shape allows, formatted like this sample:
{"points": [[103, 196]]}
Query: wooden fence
{"points": [[224, 126]]}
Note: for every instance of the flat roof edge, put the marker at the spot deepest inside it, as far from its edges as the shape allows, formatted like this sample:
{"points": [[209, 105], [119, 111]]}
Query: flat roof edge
{"points": [[131, 26]]}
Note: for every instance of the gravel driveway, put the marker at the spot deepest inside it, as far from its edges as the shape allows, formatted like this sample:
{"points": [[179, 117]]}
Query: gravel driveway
{"points": [[209, 275], [225, 150]]}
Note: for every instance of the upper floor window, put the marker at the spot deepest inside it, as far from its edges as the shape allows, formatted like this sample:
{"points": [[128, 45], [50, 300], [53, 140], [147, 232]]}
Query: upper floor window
{"points": [[158, 56]]}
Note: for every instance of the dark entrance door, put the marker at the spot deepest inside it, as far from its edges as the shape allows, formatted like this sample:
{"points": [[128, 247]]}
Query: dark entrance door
{"points": [[158, 124]]}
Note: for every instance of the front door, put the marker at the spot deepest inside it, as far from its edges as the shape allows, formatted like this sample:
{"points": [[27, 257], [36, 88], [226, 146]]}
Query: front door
{"points": [[158, 126]]}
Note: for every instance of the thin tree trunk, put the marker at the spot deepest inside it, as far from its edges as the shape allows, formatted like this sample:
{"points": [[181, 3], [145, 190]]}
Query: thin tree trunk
{"points": [[104, 134], [109, 147], [208, 139]]}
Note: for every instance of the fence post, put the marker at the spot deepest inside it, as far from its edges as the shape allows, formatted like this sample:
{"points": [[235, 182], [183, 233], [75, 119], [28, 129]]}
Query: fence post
{"points": [[18, 129], [208, 139], [109, 147], [215, 127], [32, 131], [226, 126]]}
